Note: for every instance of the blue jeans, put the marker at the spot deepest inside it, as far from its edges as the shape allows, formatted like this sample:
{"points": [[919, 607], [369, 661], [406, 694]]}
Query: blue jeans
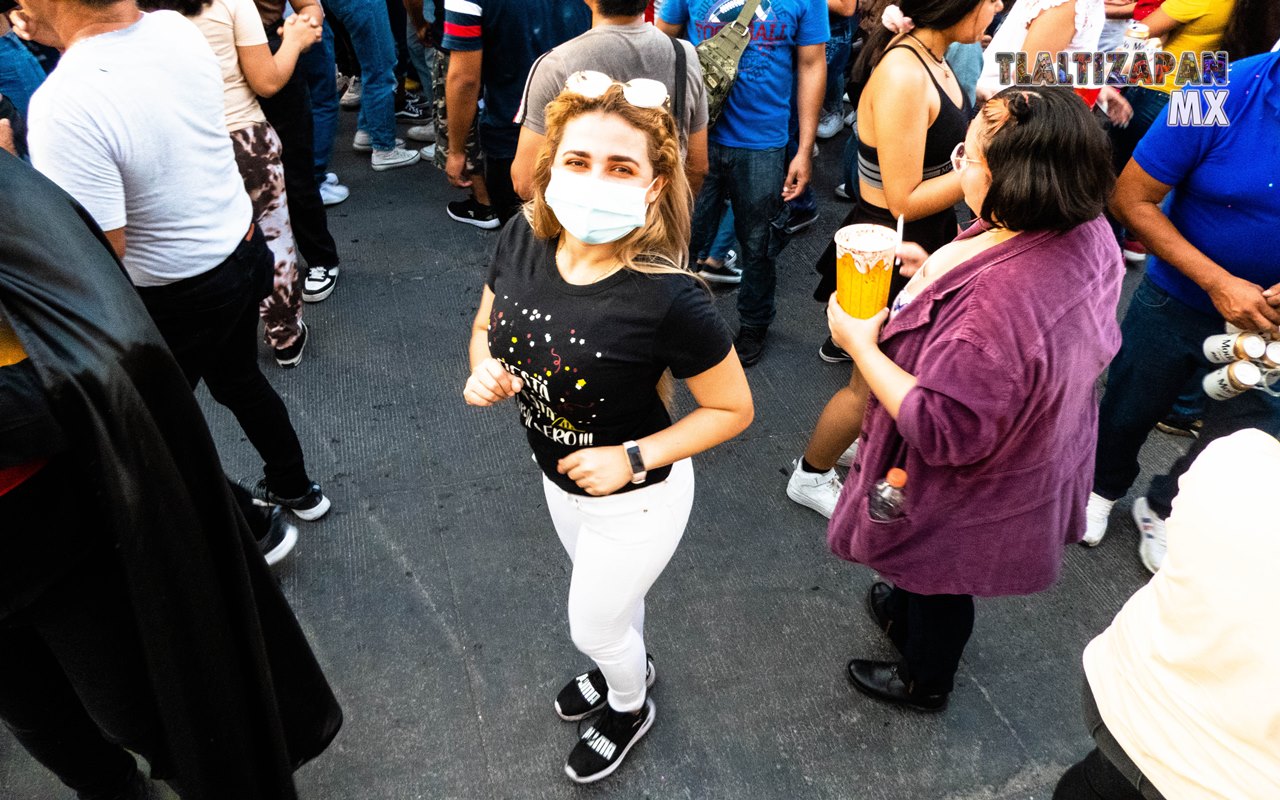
{"points": [[367, 23], [807, 201], [838, 48], [20, 72], [752, 181], [317, 67], [422, 58], [724, 240], [1161, 352]]}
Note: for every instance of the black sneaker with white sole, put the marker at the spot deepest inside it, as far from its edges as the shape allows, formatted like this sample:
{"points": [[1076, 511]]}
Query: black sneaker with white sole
{"points": [[723, 274], [587, 693], [798, 221], [291, 356], [319, 283], [832, 353], [472, 212], [604, 745], [310, 506], [280, 539]]}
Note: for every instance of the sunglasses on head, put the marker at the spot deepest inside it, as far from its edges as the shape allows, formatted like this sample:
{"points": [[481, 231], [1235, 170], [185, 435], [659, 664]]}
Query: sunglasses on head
{"points": [[640, 92]]}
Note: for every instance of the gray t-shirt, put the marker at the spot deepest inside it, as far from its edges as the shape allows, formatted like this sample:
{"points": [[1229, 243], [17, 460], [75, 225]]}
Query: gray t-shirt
{"points": [[622, 52]]}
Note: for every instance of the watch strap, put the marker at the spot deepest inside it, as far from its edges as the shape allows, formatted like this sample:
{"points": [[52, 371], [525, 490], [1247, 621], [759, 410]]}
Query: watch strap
{"points": [[638, 471]]}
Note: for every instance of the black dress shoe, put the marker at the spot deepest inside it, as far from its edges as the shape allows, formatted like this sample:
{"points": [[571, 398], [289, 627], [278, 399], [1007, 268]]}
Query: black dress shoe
{"points": [[877, 602], [880, 679]]}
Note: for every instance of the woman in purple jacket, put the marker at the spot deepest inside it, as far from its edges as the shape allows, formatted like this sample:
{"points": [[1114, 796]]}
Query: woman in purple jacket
{"points": [[983, 390]]}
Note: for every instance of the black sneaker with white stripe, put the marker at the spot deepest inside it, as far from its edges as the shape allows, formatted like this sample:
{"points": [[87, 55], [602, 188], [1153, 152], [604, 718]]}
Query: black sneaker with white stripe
{"points": [[311, 506], [585, 694], [605, 743]]}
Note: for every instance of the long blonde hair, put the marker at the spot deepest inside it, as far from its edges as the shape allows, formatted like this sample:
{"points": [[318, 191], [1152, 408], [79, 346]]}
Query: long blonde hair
{"points": [[661, 245]]}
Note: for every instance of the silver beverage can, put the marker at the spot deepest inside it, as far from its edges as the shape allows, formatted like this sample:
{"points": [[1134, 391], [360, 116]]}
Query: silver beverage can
{"points": [[1223, 348], [1232, 380]]}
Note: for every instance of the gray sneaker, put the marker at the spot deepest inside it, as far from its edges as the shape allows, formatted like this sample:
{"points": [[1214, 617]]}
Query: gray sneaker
{"points": [[351, 97]]}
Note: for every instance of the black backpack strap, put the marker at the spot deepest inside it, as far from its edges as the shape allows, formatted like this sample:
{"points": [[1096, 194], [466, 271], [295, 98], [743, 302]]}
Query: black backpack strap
{"points": [[681, 85]]}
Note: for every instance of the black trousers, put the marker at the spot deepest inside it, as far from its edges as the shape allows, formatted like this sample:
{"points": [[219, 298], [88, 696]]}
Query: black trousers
{"points": [[210, 322], [1107, 773], [289, 112], [71, 685], [930, 631], [502, 192]]}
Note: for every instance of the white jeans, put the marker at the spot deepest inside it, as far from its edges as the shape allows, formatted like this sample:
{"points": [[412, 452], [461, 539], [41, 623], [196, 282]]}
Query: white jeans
{"points": [[619, 545]]}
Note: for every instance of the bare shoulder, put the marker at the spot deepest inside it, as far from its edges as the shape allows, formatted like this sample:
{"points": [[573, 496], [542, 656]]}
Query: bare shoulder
{"points": [[899, 71]]}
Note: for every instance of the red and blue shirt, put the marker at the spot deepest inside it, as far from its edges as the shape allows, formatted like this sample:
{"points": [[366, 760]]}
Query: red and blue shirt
{"points": [[513, 33]]}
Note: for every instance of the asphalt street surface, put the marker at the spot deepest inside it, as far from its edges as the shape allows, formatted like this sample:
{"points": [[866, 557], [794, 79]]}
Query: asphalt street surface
{"points": [[434, 591]]}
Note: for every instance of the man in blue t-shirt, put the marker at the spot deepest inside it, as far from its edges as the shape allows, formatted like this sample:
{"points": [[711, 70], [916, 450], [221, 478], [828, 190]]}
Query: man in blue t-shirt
{"points": [[1206, 203], [513, 33], [747, 145]]}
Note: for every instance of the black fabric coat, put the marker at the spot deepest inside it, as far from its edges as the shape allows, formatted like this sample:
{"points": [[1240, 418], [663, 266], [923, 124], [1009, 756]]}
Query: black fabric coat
{"points": [[242, 700]]}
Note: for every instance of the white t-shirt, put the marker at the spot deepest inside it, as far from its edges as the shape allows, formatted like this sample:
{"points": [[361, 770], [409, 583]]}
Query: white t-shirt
{"points": [[1186, 677], [130, 124], [228, 24], [1009, 38]]}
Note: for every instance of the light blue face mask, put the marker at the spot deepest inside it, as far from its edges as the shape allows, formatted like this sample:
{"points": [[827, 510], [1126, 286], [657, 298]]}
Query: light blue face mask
{"points": [[596, 211]]}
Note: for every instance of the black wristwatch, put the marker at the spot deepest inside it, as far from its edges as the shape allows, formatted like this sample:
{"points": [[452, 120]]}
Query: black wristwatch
{"points": [[638, 472]]}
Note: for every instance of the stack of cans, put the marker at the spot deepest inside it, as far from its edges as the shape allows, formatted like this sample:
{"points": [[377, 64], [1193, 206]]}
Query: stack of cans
{"points": [[1251, 361]]}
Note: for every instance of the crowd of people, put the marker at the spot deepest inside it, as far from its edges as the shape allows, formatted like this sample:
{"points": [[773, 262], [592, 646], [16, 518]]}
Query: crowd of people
{"points": [[163, 192]]}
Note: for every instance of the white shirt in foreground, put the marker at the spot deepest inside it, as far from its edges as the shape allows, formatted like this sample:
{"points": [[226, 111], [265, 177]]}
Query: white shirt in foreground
{"points": [[131, 125], [1187, 677]]}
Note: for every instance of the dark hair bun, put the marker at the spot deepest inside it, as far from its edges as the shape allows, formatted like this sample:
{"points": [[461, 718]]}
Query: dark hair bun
{"points": [[1050, 162]]}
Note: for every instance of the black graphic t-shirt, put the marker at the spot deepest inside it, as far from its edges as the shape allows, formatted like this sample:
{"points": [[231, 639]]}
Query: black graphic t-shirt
{"points": [[591, 356]]}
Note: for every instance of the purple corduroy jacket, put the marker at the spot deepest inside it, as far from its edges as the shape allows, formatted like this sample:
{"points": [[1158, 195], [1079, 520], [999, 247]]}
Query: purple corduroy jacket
{"points": [[998, 436]]}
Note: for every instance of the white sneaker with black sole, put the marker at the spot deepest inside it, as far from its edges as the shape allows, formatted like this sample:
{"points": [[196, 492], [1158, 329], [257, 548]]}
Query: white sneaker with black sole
{"points": [[1096, 515], [816, 490], [1152, 547], [586, 694], [606, 742], [319, 283]]}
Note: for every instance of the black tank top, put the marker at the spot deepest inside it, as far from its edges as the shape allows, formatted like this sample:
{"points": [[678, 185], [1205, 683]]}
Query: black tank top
{"points": [[948, 130]]}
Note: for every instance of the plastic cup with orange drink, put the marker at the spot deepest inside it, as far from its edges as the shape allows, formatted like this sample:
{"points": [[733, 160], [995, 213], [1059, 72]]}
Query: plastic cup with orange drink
{"points": [[864, 267]]}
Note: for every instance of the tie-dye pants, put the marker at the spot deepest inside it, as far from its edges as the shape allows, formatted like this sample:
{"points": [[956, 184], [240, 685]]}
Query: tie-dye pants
{"points": [[257, 151]]}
